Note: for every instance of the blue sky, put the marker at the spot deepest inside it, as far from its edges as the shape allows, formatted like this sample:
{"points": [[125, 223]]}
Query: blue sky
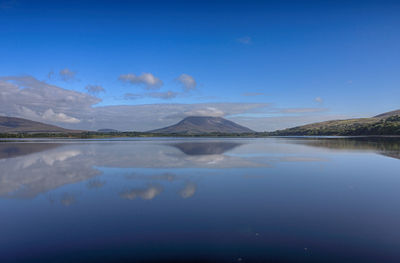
{"points": [[299, 61]]}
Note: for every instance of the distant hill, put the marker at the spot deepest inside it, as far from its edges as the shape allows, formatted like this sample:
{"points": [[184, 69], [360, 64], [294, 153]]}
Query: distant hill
{"points": [[383, 124], [19, 125], [107, 130], [203, 125]]}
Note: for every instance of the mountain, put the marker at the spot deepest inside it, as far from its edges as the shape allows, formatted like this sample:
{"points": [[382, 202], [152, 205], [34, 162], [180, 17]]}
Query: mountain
{"points": [[383, 124], [19, 125], [203, 125]]}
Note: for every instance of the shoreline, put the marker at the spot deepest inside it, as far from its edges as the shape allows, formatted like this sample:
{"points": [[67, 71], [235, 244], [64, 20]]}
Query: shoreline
{"points": [[233, 136]]}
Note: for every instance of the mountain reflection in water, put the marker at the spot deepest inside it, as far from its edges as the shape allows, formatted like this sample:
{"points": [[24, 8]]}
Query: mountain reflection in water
{"points": [[205, 148], [210, 200], [31, 168]]}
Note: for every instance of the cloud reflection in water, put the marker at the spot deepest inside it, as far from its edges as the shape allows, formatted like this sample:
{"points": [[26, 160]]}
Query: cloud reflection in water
{"points": [[29, 169], [148, 193]]}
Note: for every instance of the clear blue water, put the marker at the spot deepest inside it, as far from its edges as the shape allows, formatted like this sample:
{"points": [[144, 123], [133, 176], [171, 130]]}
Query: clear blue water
{"points": [[200, 200]]}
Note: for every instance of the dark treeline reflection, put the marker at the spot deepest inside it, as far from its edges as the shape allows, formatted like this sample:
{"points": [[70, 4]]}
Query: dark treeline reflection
{"points": [[388, 146]]}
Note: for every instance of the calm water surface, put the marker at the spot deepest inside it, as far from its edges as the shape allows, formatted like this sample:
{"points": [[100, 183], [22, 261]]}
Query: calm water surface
{"points": [[202, 200]]}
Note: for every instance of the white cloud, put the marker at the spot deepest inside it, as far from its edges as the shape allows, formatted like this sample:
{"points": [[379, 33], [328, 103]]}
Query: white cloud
{"points": [[66, 74], [27, 113], [187, 81], [163, 95], [147, 79], [152, 83], [50, 115], [27, 97], [207, 111], [94, 89], [319, 100]]}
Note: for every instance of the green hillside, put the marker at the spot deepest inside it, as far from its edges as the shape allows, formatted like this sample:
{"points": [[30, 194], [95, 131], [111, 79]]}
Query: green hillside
{"points": [[383, 124]]}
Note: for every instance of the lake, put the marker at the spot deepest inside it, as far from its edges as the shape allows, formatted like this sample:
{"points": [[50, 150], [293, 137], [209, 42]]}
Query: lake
{"points": [[200, 200]]}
